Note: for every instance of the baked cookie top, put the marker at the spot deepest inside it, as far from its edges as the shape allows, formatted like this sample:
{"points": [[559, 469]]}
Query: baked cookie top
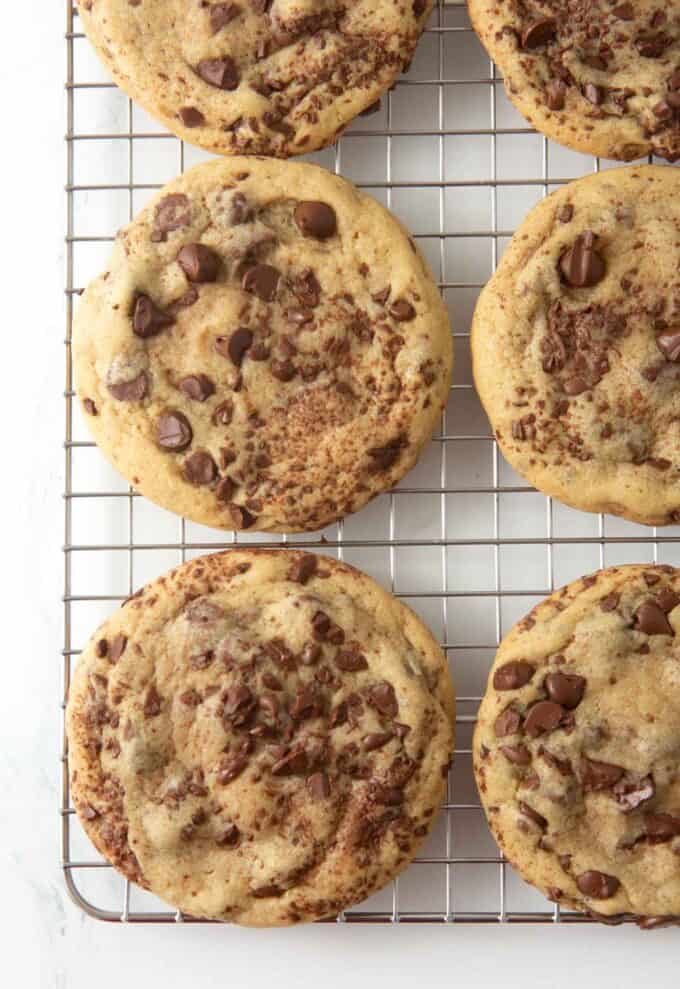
{"points": [[601, 77], [260, 736], [576, 345], [577, 742], [266, 348], [275, 77]]}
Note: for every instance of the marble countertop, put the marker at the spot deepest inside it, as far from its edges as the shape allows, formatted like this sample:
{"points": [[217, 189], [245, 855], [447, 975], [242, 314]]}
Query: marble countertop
{"points": [[46, 941]]}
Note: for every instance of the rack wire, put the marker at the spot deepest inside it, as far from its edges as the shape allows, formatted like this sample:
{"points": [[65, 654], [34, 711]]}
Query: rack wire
{"points": [[463, 540]]}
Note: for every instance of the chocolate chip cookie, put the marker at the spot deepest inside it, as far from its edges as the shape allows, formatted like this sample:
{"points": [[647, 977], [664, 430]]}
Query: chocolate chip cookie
{"points": [[577, 741], [260, 737], [576, 345], [275, 77], [600, 76], [266, 349]]}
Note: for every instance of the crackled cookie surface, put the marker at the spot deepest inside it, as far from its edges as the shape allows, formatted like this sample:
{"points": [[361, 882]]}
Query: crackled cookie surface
{"points": [[260, 737], [600, 76], [276, 77], [576, 345], [577, 746], [265, 350]]}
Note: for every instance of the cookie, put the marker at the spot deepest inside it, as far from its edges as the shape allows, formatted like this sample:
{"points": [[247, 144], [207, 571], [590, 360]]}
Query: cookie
{"points": [[576, 345], [274, 77], [267, 348], [577, 741], [600, 77], [260, 737]]}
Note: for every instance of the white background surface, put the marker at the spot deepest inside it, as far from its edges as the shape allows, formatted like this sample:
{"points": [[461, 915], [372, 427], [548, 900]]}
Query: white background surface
{"points": [[45, 941]]}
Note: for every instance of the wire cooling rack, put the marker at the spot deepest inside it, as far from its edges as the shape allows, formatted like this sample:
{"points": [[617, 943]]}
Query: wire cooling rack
{"points": [[463, 540]]}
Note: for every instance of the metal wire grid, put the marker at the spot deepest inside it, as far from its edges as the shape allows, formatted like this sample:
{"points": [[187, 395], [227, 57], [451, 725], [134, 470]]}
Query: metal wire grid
{"points": [[495, 545]]}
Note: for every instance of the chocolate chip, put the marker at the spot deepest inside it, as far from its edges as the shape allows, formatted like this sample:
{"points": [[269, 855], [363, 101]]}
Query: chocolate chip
{"points": [[222, 14], [597, 885], [299, 316], [191, 117], [222, 73], [224, 413], [513, 675], [102, 648], [519, 755], [507, 723], [653, 46], [262, 280], [231, 768], [402, 311], [235, 346], [240, 210], [117, 648], [321, 624], [191, 698], [307, 704], [303, 568], [669, 345], [610, 602], [542, 717], [594, 94], [663, 110], [382, 697], [596, 775], [173, 431], [556, 93], [271, 681], [88, 812], [539, 33], [565, 689], [527, 811], [152, 703], [200, 468], [350, 661], [197, 387], [661, 827], [581, 265], [199, 263], [339, 715], [565, 213], [310, 654], [130, 391], [229, 837], [225, 489], [172, 213], [625, 12], [376, 740], [293, 764], [651, 619], [307, 289], [575, 386], [283, 370], [239, 704], [314, 219], [89, 406], [630, 794], [319, 786], [241, 517], [148, 319], [668, 600], [383, 457]]}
